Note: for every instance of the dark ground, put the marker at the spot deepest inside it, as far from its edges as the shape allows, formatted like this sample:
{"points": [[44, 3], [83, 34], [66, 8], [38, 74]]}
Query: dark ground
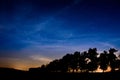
{"points": [[11, 74]]}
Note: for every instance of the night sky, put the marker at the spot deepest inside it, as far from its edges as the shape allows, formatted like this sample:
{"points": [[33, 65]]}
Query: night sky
{"points": [[34, 32]]}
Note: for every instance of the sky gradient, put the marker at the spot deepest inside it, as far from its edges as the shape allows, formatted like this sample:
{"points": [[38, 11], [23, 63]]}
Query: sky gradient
{"points": [[34, 32]]}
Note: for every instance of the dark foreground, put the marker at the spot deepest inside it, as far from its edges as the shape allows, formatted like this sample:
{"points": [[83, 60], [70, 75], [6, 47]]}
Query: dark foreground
{"points": [[11, 74]]}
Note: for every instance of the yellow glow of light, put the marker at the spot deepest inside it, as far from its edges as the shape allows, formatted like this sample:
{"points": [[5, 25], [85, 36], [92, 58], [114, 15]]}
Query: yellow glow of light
{"points": [[99, 70]]}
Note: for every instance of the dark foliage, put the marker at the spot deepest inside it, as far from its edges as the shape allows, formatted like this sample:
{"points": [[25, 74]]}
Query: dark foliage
{"points": [[87, 61], [67, 67]]}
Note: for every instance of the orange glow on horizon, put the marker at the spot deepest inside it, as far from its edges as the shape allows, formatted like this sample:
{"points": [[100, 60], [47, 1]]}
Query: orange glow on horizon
{"points": [[99, 70], [25, 64]]}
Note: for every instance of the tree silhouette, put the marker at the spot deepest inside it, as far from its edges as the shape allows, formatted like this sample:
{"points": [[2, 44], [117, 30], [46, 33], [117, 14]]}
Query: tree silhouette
{"points": [[43, 68], [112, 58], [93, 60], [87, 61], [53, 66], [75, 61], [118, 62], [83, 62], [66, 62], [104, 61]]}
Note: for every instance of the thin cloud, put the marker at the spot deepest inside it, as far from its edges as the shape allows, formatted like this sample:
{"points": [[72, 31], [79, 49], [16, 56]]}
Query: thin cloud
{"points": [[106, 44], [40, 58]]}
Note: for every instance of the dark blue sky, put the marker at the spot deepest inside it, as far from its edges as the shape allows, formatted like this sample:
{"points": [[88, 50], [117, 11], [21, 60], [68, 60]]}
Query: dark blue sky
{"points": [[42, 30]]}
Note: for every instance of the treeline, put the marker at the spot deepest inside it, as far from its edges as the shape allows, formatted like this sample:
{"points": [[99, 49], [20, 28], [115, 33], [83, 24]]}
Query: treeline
{"points": [[85, 61]]}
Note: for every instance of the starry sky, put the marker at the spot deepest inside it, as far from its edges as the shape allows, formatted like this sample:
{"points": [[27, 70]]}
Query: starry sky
{"points": [[34, 32]]}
